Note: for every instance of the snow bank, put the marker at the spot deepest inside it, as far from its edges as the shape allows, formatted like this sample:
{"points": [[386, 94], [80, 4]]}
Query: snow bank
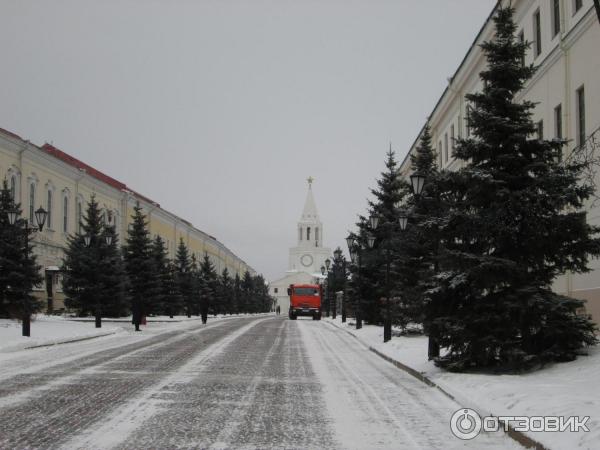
{"points": [[566, 389]]}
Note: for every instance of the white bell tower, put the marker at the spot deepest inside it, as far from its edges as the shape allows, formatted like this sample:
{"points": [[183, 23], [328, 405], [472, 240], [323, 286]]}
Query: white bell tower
{"points": [[309, 254]]}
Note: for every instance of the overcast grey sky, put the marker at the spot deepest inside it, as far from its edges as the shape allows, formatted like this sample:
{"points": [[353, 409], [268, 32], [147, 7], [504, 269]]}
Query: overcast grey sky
{"points": [[220, 110]]}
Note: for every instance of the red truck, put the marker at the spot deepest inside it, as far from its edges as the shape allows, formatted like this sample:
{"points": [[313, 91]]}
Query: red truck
{"points": [[305, 300]]}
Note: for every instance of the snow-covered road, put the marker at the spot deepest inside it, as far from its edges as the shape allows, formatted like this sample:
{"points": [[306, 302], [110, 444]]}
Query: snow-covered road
{"points": [[261, 382]]}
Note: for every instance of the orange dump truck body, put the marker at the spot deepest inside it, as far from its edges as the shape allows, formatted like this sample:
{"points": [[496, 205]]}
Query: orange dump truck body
{"points": [[305, 300]]}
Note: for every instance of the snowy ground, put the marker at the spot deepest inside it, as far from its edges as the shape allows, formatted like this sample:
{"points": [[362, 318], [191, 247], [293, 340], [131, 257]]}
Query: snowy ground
{"points": [[50, 330], [248, 382], [47, 330], [567, 389]]}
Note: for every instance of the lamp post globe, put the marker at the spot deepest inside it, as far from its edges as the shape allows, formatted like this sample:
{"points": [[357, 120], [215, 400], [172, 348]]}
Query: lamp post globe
{"points": [[350, 242], [403, 219], [322, 270], [108, 239], [87, 240], [327, 263], [40, 217], [13, 214], [374, 222], [371, 240], [417, 181]]}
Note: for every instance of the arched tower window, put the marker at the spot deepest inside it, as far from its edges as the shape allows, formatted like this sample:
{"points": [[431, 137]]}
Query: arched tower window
{"points": [[300, 233], [317, 235], [31, 202], [308, 233]]}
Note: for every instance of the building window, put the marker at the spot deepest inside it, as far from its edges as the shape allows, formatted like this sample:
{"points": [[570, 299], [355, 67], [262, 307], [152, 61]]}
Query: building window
{"points": [[555, 17], [558, 134], [580, 116], [468, 121], [13, 188], [79, 213], [540, 129], [308, 233], [65, 214], [49, 209], [317, 234], [537, 32], [577, 4], [275, 290], [446, 147], [300, 233], [522, 41], [31, 202], [452, 138]]}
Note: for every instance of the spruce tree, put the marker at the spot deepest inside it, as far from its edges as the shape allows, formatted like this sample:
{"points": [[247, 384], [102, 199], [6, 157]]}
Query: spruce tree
{"points": [[113, 278], [162, 298], [184, 280], [196, 285], [379, 279], [225, 297], [209, 278], [237, 294], [94, 280], [422, 238], [247, 288], [19, 271], [140, 266], [516, 222], [174, 301]]}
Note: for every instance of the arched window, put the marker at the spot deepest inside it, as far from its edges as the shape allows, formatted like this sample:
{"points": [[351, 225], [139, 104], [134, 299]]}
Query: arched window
{"points": [[300, 233], [49, 209], [13, 188], [65, 214], [317, 234], [79, 213], [31, 202], [308, 233]]}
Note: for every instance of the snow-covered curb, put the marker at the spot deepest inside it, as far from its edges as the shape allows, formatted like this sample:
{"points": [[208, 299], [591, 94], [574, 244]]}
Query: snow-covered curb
{"points": [[447, 390]]}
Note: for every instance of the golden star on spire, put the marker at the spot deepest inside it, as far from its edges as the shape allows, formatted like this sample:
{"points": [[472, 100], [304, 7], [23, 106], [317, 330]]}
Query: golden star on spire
{"points": [[310, 181]]}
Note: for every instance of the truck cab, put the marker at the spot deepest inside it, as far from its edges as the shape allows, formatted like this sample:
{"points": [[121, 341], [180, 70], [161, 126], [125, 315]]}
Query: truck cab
{"points": [[305, 300]]}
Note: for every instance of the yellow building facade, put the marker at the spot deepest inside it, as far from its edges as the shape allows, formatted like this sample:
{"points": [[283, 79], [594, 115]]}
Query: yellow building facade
{"points": [[48, 177]]}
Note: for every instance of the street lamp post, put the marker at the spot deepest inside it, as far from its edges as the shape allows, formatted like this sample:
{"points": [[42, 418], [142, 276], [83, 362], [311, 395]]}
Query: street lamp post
{"points": [[327, 265], [387, 323], [417, 181], [40, 218]]}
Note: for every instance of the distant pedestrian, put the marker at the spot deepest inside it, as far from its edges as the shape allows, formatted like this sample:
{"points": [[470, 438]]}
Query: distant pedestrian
{"points": [[278, 310]]}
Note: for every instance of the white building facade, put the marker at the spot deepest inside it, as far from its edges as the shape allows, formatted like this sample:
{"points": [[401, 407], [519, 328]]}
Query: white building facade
{"points": [[307, 257], [565, 39]]}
